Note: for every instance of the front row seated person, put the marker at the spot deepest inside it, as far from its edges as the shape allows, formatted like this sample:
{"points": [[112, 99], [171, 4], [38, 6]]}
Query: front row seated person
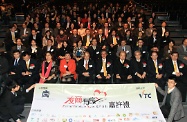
{"points": [[104, 69], [49, 69], [30, 70], [85, 70], [171, 106], [122, 69], [67, 69], [11, 103]]}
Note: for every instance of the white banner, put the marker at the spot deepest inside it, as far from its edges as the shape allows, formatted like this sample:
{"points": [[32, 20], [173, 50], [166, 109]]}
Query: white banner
{"points": [[95, 103]]}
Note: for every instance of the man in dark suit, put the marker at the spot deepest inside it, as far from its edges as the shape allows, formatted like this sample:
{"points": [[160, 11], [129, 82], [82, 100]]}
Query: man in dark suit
{"points": [[153, 41], [49, 47], [175, 67], [30, 71], [137, 30], [25, 34], [104, 69], [101, 39], [113, 42], [122, 69], [74, 38], [19, 46], [171, 107], [142, 48], [155, 72], [87, 39], [106, 29], [94, 50], [86, 70], [11, 105], [10, 38], [138, 68], [119, 24], [36, 37], [162, 29], [15, 69]]}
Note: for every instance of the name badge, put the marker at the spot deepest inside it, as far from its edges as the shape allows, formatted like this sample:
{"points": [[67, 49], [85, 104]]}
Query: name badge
{"points": [[65, 66]]}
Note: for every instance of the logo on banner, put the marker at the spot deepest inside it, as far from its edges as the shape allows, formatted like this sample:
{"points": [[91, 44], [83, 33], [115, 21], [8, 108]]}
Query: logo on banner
{"points": [[98, 96], [145, 95], [45, 93]]}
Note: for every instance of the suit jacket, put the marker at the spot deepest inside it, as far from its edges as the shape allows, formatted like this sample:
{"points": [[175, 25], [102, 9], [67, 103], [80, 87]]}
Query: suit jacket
{"points": [[109, 66], [182, 54], [71, 67], [151, 70], [85, 40], [177, 110], [127, 50], [159, 31], [122, 69], [94, 54], [8, 37], [37, 54], [103, 40], [110, 40], [152, 44], [148, 32], [169, 68], [73, 39], [28, 32], [136, 31], [143, 51], [33, 67], [81, 68], [43, 31], [38, 40], [23, 48], [6, 105], [135, 69], [18, 68], [52, 49], [56, 32]]}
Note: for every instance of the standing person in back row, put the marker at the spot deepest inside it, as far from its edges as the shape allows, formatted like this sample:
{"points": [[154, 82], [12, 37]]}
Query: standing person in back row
{"points": [[171, 106]]}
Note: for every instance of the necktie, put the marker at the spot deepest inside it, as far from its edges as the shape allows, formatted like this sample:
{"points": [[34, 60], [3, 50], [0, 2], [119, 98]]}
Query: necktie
{"points": [[122, 61], [88, 41], [27, 64], [114, 41], [106, 32], [104, 69], [156, 67], [100, 39], [86, 66], [89, 25], [175, 67], [13, 37], [16, 62]]}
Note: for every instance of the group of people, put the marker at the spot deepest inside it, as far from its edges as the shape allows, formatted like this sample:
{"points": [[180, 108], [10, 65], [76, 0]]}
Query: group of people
{"points": [[94, 44]]}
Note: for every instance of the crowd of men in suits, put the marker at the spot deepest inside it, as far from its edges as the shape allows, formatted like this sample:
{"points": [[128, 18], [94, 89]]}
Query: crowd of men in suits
{"points": [[100, 44], [118, 49]]}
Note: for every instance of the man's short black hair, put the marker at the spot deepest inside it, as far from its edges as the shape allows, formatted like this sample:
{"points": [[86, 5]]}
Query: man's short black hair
{"points": [[174, 52], [173, 78], [16, 51], [26, 53], [11, 84]]}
